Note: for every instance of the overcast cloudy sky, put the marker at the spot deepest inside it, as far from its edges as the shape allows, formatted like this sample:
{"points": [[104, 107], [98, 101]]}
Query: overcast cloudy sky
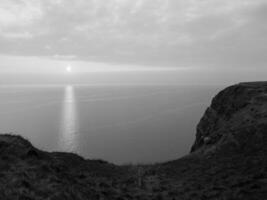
{"points": [[196, 35]]}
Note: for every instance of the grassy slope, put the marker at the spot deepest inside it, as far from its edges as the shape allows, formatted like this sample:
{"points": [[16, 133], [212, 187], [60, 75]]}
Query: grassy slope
{"points": [[27, 173]]}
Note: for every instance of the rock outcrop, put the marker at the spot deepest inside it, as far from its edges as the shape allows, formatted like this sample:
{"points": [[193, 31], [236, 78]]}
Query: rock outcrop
{"points": [[237, 115], [227, 161]]}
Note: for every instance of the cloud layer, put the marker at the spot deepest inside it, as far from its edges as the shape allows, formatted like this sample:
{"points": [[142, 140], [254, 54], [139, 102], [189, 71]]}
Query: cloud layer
{"points": [[176, 33]]}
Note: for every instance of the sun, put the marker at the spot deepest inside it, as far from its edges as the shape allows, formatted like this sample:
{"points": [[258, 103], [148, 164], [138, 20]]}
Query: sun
{"points": [[68, 69]]}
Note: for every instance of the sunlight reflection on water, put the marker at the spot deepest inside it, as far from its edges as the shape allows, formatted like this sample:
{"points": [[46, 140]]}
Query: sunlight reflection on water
{"points": [[69, 129]]}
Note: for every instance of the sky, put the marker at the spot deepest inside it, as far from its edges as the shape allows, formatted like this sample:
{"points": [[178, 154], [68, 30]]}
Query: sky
{"points": [[172, 41]]}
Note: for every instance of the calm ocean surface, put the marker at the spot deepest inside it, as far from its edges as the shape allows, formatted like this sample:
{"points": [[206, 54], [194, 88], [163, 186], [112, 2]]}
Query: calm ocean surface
{"points": [[121, 124]]}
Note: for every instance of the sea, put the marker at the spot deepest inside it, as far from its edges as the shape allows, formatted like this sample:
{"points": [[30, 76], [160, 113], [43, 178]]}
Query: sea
{"points": [[122, 124]]}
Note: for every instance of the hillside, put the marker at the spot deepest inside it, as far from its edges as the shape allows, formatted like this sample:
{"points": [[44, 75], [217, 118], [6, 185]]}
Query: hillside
{"points": [[227, 161]]}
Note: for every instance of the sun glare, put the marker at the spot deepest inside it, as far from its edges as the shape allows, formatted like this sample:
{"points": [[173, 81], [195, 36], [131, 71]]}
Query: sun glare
{"points": [[68, 69]]}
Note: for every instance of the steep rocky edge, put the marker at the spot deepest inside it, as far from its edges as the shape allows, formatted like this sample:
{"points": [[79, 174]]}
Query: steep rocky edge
{"points": [[238, 115], [227, 161]]}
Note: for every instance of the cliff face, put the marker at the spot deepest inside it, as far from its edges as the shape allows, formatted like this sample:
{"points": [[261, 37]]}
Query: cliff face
{"points": [[228, 161], [237, 116]]}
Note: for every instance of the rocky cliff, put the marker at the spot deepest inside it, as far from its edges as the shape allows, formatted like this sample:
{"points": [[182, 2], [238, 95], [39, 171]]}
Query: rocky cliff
{"points": [[237, 115], [227, 161]]}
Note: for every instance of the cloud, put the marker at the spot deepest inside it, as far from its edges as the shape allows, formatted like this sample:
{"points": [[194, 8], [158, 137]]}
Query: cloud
{"points": [[179, 33], [19, 13]]}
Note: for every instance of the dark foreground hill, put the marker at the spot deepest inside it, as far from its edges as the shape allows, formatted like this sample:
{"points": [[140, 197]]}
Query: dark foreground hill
{"points": [[227, 161]]}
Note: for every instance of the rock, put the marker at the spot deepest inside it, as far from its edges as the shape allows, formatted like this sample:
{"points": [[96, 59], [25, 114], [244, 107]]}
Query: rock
{"points": [[233, 112]]}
